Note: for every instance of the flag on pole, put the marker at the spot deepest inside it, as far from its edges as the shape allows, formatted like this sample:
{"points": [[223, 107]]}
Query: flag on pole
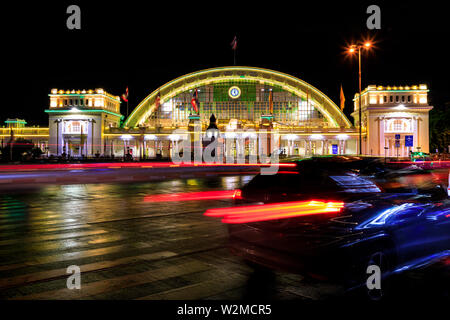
{"points": [[158, 101], [194, 100], [125, 96], [342, 99], [234, 43]]}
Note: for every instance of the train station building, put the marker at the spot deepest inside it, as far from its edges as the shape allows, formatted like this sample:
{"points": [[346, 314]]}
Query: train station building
{"points": [[247, 103]]}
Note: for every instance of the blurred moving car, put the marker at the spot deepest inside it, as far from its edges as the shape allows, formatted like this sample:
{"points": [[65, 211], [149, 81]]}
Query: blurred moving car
{"points": [[395, 219]]}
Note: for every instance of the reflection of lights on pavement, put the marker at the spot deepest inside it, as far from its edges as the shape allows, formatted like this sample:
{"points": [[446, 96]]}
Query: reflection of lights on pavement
{"points": [[274, 211], [192, 182], [193, 196]]}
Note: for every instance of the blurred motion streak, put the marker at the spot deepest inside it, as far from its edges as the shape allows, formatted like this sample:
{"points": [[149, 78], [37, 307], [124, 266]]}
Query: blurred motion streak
{"points": [[274, 211], [115, 165], [192, 196]]}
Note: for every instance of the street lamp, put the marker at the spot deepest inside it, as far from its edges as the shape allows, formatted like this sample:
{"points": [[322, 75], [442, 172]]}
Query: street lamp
{"points": [[352, 49]]}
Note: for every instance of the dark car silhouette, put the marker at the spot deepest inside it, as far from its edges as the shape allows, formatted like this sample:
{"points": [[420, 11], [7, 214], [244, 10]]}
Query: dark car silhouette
{"points": [[395, 219]]}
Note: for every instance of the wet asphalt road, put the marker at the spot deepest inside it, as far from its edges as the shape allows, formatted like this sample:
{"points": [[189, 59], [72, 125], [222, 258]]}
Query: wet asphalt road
{"points": [[130, 248]]}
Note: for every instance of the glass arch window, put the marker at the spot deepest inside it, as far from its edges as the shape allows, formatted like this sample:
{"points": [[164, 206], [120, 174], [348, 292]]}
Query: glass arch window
{"points": [[255, 100], [398, 125]]}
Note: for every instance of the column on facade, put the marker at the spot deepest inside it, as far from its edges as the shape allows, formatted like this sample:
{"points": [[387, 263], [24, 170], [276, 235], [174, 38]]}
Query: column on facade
{"points": [[403, 147], [415, 123], [224, 146], [381, 139], [160, 147], [386, 144], [112, 146], [145, 149], [60, 136], [80, 146], [86, 150], [386, 151], [92, 150], [391, 147]]}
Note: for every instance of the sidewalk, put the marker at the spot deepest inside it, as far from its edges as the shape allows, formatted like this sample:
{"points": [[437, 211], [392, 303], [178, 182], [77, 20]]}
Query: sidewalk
{"points": [[12, 176]]}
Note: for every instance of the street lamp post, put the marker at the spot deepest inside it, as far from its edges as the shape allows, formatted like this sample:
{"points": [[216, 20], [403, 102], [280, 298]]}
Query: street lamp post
{"points": [[352, 49]]}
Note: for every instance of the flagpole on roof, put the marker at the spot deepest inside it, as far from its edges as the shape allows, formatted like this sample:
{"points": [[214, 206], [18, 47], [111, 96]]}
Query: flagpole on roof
{"points": [[233, 47]]}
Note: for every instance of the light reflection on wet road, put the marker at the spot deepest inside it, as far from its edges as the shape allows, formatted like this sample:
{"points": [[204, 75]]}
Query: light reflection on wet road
{"points": [[128, 248], [93, 203], [116, 237]]}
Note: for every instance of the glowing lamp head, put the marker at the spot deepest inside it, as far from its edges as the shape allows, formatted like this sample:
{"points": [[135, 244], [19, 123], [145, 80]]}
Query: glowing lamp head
{"points": [[367, 44], [351, 50]]}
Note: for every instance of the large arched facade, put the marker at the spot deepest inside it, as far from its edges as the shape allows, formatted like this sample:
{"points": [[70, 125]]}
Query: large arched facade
{"points": [[246, 101], [294, 102]]}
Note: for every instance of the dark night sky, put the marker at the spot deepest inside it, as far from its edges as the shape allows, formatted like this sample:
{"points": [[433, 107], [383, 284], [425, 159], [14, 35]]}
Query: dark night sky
{"points": [[142, 45]]}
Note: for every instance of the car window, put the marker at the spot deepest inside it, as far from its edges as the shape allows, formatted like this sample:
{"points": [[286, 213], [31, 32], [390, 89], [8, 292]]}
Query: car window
{"points": [[305, 183], [409, 213], [355, 184]]}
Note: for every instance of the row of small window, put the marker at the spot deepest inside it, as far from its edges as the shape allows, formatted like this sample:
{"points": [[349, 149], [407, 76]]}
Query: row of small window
{"points": [[397, 99], [84, 102], [76, 102]]}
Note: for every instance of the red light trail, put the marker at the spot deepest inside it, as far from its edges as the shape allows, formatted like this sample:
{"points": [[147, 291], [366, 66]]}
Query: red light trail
{"points": [[114, 165], [419, 162], [193, 196], [274, 211]]}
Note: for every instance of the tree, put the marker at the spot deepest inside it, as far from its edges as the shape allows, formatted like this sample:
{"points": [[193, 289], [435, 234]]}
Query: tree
{"points": [[17, 150], [440, 128]]}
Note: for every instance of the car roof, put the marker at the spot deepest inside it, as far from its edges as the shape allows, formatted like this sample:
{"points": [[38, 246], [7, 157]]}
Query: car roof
{"points": [[338, 163]]}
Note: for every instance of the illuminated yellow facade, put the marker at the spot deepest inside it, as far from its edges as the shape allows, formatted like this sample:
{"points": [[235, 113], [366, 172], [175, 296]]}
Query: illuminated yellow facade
{"points": [[77, 119], [247, 102], [17, 129], [394, 119]]}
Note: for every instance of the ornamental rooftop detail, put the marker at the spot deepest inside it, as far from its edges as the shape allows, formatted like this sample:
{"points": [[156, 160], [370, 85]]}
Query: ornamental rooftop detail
{"points": [[84, 100], [414, 95]]}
